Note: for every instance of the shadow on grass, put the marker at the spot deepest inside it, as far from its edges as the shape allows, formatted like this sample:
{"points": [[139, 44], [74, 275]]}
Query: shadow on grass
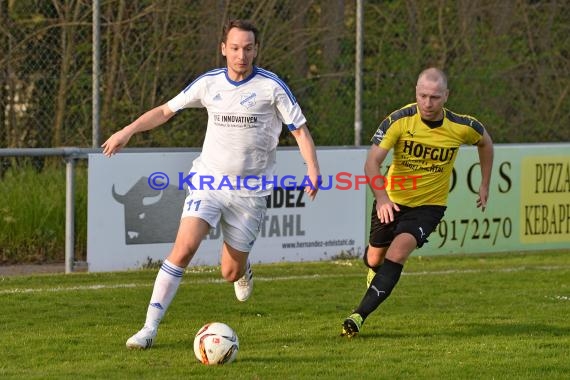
{"points": [[474, 329]]}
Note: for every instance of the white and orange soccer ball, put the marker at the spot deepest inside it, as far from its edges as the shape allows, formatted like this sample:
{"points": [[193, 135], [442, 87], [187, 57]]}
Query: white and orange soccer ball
{"points": [[216, 343]]}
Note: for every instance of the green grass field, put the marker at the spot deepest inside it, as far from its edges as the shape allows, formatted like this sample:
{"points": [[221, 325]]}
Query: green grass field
{"points": [[504, 316]]}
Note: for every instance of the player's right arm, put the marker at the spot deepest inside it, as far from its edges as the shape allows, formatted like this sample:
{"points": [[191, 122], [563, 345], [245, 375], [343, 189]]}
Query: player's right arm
{"points": [[384, 206], [147, 121]]}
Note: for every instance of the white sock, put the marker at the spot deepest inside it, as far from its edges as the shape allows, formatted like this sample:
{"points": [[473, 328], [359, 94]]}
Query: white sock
{"points": [[165, 287]]}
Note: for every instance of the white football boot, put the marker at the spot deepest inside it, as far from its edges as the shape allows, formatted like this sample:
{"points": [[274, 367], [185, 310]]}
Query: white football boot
{"points": [[142, 340], [244, 286]]}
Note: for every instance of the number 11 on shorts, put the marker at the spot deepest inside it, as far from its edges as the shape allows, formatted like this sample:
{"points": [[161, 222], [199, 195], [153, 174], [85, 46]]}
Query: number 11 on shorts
{"points": [[196, 205]]}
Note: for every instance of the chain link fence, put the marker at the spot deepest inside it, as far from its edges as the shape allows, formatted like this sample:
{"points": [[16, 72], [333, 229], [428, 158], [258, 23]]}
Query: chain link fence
{"points": [[44, 73], [508, 64], [150, 50]]}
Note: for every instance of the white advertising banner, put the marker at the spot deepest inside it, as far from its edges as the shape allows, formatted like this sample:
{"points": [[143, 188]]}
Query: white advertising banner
{"points": [[528, 207], [135, 201]]}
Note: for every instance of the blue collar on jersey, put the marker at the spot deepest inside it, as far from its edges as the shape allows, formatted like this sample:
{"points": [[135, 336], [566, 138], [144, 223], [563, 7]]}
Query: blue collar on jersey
{"points": [[253, 73]]}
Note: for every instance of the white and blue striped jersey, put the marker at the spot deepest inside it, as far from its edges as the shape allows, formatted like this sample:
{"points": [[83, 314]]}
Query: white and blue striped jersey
{"points": [[245, 120]]}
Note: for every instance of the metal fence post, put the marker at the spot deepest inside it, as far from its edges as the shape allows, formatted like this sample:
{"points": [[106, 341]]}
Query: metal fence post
{"points": [[358, 73], [96, 74], [69, 213]]}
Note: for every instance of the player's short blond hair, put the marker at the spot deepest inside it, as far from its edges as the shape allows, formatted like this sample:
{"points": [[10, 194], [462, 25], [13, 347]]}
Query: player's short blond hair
{"points": [[433, 74]]}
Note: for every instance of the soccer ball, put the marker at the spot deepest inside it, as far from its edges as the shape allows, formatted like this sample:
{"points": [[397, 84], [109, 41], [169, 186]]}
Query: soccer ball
{"points": [[216, 343]]}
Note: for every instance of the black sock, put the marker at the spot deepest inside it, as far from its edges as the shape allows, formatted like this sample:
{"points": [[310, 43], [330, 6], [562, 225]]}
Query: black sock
{"points": [[385, 280]]}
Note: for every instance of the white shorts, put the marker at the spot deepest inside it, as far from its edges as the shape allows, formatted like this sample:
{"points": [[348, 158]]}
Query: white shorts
{"points": [[239, 218]]}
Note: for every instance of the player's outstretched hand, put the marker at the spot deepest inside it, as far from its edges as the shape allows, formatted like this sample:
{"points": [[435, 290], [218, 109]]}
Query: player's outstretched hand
{"points": [[482, 198], [315, 181], [115, 143]]}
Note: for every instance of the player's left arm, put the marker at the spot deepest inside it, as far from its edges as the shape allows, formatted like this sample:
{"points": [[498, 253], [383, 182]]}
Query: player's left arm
{"points": [[309, 153], [485, 150]]}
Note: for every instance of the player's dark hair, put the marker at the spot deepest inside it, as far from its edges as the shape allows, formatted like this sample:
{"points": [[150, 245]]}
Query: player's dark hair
{"points": [[245, 25]]}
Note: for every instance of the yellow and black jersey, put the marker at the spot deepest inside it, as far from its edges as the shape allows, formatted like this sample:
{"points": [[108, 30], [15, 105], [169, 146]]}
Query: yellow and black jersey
{"points": [[424, 153]]}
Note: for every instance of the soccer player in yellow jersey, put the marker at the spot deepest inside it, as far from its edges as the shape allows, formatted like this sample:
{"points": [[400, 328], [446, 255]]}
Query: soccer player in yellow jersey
{"points": [[425, 137]]}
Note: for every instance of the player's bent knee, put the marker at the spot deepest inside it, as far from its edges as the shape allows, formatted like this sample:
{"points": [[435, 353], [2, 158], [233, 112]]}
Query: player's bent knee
{"points": [[373, 256], [231, 274]]}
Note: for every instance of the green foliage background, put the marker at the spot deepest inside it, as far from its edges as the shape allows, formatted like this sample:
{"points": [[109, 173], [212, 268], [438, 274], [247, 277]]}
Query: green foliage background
{"points": [[508, 63]]}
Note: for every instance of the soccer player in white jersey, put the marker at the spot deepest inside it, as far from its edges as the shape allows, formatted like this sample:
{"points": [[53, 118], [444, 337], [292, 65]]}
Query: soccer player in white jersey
{"points": [[247, 107]]}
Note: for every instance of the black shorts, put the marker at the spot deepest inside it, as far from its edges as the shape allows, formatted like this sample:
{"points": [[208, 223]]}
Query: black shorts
{"points": [[419, 221]]}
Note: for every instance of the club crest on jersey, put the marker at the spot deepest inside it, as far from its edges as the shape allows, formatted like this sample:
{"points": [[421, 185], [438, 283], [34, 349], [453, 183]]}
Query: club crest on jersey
{"points": [[248, 100]]}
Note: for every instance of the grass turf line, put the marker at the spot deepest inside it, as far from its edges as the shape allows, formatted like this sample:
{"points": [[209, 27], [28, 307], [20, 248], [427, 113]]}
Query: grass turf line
{"points": [[501, 316]]}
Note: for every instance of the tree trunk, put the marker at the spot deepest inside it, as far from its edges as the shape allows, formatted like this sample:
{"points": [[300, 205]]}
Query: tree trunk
{"points": [[112, 64], [333, 25], [68, 14]]}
